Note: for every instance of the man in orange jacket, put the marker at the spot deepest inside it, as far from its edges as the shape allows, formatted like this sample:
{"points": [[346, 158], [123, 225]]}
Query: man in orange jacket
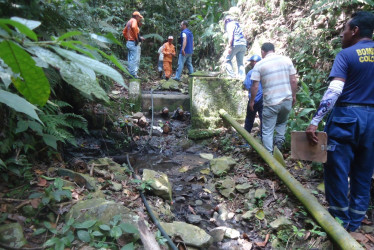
{"points": [[131, 34], [169, 52]]}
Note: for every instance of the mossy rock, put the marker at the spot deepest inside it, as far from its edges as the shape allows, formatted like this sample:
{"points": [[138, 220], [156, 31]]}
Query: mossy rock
{"points": [[204, 74], [199, 134], [169, 85]]}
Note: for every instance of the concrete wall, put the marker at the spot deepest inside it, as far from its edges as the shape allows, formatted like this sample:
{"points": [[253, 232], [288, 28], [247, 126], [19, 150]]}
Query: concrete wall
{"points": [[209, 94]]}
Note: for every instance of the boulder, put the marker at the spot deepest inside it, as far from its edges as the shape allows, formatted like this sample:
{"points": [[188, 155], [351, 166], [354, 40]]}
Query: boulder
{"points": [[243, 188], [159, 183], [280, 222], [80, 179], [226, 187], [191, 235], [220, 166], [12, 235], [101, 210]]}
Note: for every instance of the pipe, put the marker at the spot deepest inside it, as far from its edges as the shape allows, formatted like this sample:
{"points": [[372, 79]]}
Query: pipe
{"points": [[150, 212], [319, 213]]}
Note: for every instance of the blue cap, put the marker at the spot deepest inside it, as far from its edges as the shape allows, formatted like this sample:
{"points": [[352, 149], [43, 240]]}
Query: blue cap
{"points": [[255, 58]]}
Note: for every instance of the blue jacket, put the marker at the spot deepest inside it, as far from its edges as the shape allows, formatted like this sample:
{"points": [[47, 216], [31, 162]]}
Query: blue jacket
{"points": [[248, 84]]}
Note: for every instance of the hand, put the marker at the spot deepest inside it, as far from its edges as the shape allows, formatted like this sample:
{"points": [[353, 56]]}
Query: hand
{"points": [[142, 39], [251, 104], [183, 53], [230, 49], [311, 134]]}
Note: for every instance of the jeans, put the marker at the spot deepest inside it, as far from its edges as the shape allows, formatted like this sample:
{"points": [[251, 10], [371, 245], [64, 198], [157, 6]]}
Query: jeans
{"points": [[251, 115], [350, 154], [275, 118], [238, 51], [133, 57], [160, 66], [181, 60]]}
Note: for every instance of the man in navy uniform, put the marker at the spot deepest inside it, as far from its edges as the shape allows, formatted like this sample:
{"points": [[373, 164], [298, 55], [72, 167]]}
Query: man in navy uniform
{"points": [[350, 126]]}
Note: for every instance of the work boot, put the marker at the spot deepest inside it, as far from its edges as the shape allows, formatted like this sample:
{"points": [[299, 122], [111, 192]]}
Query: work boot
{"points": [[279, 144]]}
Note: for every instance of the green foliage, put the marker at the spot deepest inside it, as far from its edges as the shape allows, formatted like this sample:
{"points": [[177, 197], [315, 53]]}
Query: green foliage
{"points": [[160, 239], [90, 231], [53, 193], [143, 185]]}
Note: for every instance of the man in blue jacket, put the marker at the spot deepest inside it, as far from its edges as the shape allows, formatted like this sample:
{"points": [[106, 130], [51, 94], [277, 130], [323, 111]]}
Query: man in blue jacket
{"points": [[185, 54], [350, 126], [257, 108]]}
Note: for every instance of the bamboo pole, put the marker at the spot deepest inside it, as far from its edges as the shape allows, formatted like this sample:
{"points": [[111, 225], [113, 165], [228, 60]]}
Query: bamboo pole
{"points": [[320, 214]]}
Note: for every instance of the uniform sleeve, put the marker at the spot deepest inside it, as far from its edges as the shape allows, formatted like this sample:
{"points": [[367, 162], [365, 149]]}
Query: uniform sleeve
{"points": [[340, 66], [247, 82]]}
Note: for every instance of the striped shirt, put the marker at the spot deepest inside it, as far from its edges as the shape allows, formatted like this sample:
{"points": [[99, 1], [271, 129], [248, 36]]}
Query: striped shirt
{"points": [[274, 73]]}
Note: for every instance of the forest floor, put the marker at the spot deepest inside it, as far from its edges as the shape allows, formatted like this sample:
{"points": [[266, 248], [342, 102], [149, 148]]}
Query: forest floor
{"points": [[265, 213]]}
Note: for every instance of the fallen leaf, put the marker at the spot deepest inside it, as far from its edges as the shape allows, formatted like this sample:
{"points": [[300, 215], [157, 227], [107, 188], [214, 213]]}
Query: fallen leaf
{"points": [[359, 237], [101, 180], [184, 169], [202, 178], [42, 182], [191, 209], [263, 244], [371, 238], [75, 195], [3, 208], [38, 171], [207, 190], [16, 217], [260, 214], [35, 203], [205, 171]]}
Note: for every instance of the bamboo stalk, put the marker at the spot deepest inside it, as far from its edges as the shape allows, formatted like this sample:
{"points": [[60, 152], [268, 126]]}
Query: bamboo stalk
{"points": [[319, 213]]}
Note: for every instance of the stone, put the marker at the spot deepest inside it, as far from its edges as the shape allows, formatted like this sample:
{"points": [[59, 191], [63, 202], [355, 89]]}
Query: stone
{"points": [[226, 187], [206, 156], [194, 219], [248, 215], [180, 199], [367, 229], [217, 233], [80, 179], [169, 85], [210, 94], [116, 186], [159, 183], [191, 235], [116, 169], [221, 166], [260, 193], [199, 134], [142, 122], [101, 210], [243, 188], [232, 233], [12, 235], [198, 202], [137, 115], [280, 222]]}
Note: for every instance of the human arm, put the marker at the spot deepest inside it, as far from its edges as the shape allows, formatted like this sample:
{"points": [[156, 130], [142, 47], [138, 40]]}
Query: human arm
{"points": [[293, 82], [254, 89], [327, 103], [184, 43]]}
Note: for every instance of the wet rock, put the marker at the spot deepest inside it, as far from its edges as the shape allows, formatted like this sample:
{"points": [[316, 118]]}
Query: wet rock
{"points": [[280, 222], [116, 186], [230, 215], [367, 229], [232, 233], [12, 235], [194, 219], [191, 235], [206, 156], [223, 212], [169, 85], [198, 202], [80, 179], [199, 134], [260, 193], [226, 187], [106, 163], [101, 210], [142, 122], [180, 199], [221, 166], [217, 233], [162, 211], [159, 183], [248, 215], [243, 188], [138, 115]]}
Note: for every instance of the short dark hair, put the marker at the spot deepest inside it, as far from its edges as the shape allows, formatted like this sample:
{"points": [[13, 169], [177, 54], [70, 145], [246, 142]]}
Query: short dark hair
{"points": [[364, 20], [266, 47], [184, 22]]}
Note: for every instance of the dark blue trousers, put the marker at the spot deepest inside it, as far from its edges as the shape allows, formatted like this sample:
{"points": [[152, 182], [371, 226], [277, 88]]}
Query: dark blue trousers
{"points": [[251, 115], [350, 154]]}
